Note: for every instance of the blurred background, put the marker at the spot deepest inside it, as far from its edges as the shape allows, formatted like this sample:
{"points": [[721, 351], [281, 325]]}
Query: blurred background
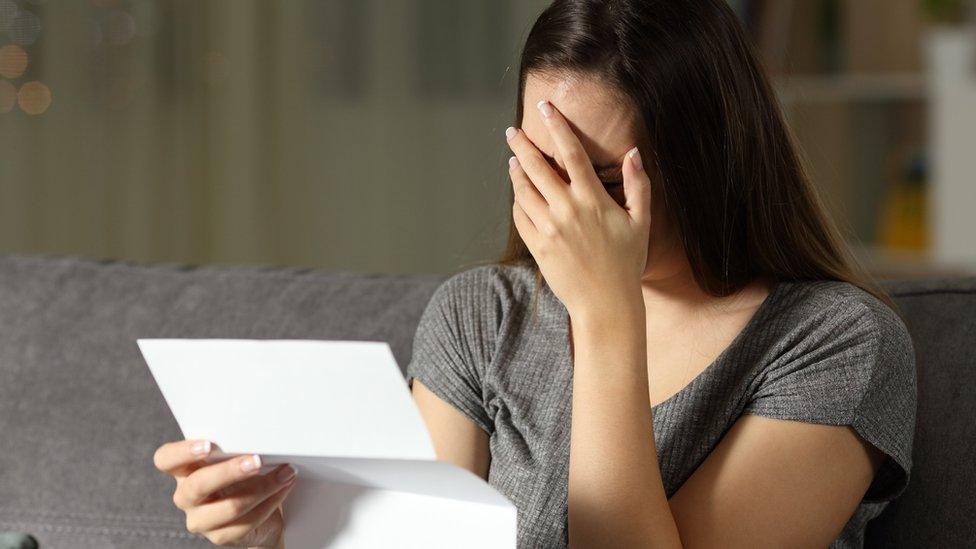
{"points": [[366, 135]]}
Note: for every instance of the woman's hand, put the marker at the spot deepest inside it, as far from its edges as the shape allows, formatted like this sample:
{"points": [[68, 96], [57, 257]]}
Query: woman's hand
{"points": [[591, 251], [228, 502]]}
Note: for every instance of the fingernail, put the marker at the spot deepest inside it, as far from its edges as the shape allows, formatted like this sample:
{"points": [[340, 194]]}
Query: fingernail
{"points": [[285, 474], [200, 448], [512, 162], [636, 158], [510, 133], [251, 464], [545, 108]]}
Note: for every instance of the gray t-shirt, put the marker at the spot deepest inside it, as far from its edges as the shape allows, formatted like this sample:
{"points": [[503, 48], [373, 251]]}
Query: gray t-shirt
{"points": [[814, 351]]}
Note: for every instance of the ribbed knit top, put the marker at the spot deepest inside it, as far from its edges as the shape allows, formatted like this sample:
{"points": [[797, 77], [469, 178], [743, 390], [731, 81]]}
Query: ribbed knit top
{"points": [[814, 351]]}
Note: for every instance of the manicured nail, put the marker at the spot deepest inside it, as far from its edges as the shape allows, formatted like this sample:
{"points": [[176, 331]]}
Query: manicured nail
{"points": [[512, 162], [636, 159], [251, 464], [200, 448], [510, 133], [285, 474], [545, 108]]}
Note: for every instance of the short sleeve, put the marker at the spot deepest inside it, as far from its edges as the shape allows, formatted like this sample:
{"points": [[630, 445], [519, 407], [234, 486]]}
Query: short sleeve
{"points": [[454, 343], [854, 365]]}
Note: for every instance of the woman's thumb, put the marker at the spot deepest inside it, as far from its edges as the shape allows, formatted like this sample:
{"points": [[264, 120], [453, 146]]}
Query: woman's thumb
{"points": [[637, 187]]}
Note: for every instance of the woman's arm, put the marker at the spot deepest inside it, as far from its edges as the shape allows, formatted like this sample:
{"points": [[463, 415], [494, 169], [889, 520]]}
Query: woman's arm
{"points": [[768, 482], [776, 483], [592, 253], [456, 438], [616, 496]]}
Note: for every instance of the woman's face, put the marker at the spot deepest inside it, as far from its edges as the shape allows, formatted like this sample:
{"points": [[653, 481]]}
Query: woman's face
{"points": [[608, 127]]}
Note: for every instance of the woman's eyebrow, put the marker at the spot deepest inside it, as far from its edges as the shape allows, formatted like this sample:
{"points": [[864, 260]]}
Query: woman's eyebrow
{"points": [[603, 171]]}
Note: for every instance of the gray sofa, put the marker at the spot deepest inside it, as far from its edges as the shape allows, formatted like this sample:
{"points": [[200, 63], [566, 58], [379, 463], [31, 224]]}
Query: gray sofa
{"points": [[80, 415]]}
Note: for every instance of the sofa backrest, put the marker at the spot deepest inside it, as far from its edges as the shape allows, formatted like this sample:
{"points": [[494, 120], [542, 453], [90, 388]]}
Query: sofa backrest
{"points": [[938, 509], [80, 415]]}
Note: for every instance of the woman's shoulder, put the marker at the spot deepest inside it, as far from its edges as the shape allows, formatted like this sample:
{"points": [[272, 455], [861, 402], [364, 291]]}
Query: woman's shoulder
{"points": [[843, 345], [497, 283], [832, 308], [842, 356]]}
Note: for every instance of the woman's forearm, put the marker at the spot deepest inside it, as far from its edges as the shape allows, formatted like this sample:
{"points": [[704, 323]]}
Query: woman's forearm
{"points": [[616, 496]]}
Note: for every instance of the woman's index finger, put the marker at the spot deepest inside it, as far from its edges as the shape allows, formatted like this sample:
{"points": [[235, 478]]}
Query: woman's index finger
{"points": [[180, 457]]}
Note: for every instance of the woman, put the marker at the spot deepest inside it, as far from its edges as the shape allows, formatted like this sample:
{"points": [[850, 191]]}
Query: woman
{"points": [[676, 349]]}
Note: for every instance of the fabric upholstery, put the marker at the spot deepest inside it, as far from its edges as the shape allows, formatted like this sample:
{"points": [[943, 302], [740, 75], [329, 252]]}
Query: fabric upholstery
{"points": [[80, 414]]}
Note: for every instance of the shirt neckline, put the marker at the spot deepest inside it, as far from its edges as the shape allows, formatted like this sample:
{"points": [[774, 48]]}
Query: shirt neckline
{"points": [[755, 320]]}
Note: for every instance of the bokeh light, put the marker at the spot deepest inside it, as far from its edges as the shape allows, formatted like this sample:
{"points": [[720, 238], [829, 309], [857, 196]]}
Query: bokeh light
{"points": [[118, 28], [13, 61], [8, 96], [24, 29], [34, 98]]}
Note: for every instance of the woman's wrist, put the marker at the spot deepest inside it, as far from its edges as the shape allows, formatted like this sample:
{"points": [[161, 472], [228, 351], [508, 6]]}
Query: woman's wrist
{"points": [[612, 332], [609, 310], [610, 342]]}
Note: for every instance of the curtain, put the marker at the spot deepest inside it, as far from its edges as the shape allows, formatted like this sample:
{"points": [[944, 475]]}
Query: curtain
{"points": [[362, 135]]}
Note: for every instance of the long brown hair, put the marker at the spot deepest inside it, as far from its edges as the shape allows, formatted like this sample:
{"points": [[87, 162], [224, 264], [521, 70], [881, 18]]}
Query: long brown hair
{"points": [[730, 177]]}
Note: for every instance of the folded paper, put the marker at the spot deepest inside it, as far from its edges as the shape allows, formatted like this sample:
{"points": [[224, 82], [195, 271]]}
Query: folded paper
{"points": [[341, 413]]}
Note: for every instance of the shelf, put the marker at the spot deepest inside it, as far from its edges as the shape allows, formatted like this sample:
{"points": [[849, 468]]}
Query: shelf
{"points": [[841, 88], [903, 264]]}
